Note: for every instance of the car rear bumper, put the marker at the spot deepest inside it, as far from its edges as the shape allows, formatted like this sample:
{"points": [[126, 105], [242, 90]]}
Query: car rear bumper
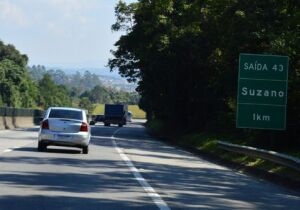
{"points": [[64, 139]]}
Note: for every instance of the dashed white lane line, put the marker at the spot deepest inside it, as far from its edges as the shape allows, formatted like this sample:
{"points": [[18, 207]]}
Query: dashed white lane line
{"points": [[160, 203], [7, 150], [10, 149]]}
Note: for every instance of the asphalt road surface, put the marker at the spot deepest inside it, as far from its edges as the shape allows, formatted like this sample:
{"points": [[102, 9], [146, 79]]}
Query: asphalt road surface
{"points": [[125, 169]]}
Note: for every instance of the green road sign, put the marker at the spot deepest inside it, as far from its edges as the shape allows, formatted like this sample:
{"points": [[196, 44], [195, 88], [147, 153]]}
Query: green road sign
{"points": [[262, 91], [261, 116], [267, 67]]}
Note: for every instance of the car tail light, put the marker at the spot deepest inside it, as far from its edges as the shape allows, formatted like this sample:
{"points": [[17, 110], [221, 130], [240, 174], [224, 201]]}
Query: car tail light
{"points": [[45, 124], [84, 127]]}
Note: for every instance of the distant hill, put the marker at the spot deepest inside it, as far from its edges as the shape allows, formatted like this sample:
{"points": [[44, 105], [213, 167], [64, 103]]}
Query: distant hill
{"points": [[105, 77], [118, 83], [97, 71]]}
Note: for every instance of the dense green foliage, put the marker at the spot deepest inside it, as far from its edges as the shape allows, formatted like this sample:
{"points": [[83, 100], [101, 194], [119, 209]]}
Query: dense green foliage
{"points": [[85, 103], [52, 94], [16, 88], [184, 53]]}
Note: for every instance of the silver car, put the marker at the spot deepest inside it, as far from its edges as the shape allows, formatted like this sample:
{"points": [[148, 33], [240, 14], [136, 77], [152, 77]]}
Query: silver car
{"points": [[63, 126]]}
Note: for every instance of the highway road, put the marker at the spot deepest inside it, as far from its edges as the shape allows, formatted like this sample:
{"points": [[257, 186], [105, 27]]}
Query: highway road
{"points": [[125, 169]]}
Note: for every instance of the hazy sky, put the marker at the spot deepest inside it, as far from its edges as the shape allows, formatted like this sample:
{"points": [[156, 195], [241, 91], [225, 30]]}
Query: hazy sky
{"points": [[60, 33]]}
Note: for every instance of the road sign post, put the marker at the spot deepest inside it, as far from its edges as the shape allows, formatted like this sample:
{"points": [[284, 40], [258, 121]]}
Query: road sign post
{"points": [[262, 91]]}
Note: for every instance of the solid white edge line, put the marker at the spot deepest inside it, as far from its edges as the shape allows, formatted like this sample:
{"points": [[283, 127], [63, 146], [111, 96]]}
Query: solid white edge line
{"points": [[146, 186]]}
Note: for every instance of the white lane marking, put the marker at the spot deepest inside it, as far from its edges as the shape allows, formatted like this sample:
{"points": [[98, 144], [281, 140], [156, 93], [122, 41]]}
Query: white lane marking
{"points": [[146, 186], [10, 149], [100, 137], [7, 150]]}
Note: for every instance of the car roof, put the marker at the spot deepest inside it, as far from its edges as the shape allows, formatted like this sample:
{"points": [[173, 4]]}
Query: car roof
{"points": [[66, 108]]}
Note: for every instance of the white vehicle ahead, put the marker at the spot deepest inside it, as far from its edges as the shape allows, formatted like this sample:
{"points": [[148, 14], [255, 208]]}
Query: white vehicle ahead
{"points": [[63, 126]]}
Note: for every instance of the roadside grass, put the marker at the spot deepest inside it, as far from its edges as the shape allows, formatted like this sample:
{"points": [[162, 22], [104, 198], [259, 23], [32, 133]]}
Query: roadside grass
{"points": [[294, 153], [99, 109], [137, 113], [207, 143]]}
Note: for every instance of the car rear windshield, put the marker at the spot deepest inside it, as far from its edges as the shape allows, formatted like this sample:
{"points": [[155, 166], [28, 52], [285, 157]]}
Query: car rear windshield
{"points": [[65, 114]]}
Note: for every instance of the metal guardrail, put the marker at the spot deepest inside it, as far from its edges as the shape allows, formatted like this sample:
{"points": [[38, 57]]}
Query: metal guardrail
{"points": [[272, 156]]}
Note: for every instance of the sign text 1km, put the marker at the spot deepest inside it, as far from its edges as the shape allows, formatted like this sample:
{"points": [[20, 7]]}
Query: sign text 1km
{"points": [[262, 91]]}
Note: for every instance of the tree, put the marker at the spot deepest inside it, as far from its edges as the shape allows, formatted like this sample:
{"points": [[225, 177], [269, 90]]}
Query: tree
{"points": [[184, 55], [52, 94], [16, 87], [36, 72], [85, 103], [9, 52]]}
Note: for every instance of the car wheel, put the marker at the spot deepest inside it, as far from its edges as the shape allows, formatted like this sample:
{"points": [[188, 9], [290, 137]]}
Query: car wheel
{"points": [[92, 123], [106, 124], [120, 125], [41, 147], [85, 150]]}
